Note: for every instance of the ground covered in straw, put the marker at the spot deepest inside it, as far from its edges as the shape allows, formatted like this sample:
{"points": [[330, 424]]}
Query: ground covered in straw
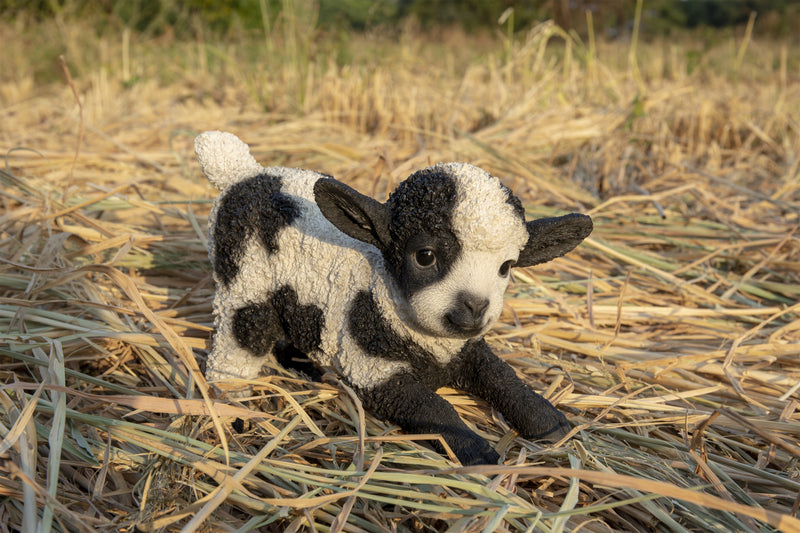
{"points": [[670, 337]]}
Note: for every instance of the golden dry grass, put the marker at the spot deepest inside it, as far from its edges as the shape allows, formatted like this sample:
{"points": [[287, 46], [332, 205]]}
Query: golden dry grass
{"points": [[671, 337]]}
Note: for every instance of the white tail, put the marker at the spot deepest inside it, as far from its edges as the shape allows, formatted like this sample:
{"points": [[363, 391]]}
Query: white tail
{"points": [[225, 159]]}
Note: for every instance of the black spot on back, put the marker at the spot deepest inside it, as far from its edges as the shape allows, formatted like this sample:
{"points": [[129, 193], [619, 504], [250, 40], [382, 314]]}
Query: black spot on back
{"points": [[257, 327], [302, 324], [253, 205]]}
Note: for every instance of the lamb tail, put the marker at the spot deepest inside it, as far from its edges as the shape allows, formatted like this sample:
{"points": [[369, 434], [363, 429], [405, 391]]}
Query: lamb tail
{"points": [[225, 159]]}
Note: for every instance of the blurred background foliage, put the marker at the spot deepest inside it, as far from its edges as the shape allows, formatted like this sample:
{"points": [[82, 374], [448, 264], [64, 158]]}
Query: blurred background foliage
{"points": [[614, 18]]}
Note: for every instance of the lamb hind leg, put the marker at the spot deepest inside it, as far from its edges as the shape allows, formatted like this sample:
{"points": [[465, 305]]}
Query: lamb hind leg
{"points": [[241, 344], [484, 374], [403, 400], [251, 332]]}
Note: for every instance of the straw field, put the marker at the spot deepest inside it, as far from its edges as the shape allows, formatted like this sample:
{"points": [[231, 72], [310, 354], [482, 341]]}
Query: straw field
{"points": [[671, 337]]}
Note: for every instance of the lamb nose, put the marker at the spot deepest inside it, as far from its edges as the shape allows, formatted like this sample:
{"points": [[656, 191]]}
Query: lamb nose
{"points": [[477, 306]]}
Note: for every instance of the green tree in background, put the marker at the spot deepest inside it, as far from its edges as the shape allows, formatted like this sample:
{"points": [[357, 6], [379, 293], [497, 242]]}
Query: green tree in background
{"points": [[614, 17]]}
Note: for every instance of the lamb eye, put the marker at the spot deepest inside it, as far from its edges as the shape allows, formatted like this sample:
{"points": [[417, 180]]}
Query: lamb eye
{"points": [[425, 257], [505, 268]]}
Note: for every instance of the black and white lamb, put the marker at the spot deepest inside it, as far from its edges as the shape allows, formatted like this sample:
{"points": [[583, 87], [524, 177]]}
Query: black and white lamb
{"points": [[394, 297]]}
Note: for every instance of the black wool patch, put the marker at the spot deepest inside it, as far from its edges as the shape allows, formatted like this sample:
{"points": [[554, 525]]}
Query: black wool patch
{"points": [[375, 336], [257, 327], [422, 208], [253, 205], [302, 324]]}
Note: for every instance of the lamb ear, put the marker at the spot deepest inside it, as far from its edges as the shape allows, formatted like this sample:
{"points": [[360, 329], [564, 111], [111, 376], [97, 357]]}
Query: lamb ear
{"points": [[549, 238], [356, 215]]}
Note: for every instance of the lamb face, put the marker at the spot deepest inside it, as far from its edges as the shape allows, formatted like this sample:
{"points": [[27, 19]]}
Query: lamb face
{"points": [[455, 233]]}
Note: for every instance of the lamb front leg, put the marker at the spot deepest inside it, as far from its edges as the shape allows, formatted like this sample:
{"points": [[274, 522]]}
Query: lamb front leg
{"points": [[487, 376], [405, 401]]}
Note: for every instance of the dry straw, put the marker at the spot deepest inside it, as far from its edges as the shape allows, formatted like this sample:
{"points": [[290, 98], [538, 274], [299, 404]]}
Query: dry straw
{"points": [[671, 337]]}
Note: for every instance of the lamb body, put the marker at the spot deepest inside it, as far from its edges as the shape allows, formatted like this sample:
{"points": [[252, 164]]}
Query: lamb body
{"points": [[393, 297]]}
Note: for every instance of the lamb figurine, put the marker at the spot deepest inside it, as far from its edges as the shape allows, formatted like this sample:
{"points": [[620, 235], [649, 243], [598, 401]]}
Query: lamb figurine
{"points": [[394, 297]]}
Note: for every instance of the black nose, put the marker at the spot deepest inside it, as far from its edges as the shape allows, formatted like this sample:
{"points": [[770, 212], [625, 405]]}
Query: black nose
{"points": [[467, 317], [476, 306]]}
